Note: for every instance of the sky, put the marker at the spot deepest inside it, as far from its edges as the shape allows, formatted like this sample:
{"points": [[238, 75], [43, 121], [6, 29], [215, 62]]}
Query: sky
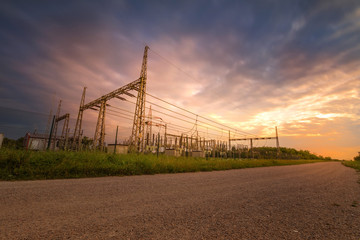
{"points": [[251, 65]]}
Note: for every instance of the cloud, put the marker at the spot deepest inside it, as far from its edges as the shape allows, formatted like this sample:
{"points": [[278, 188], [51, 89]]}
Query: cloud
{"points": [[254, 65]]}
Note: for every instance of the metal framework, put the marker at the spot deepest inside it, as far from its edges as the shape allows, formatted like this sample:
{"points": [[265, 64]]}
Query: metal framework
{"points": [[64, 133], [76, 144], [259, 138], [101, 103], [56, 124], [99, 136], [138, 130], [149, 126], [142, 137]]}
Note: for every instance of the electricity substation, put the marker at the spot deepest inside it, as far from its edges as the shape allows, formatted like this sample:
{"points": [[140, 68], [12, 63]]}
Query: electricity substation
{"points": [[157, 126]]}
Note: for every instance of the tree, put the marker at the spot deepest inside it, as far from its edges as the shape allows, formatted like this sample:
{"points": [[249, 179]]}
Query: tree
{"points": [[357, 158], [13, 144], [87, 142]]}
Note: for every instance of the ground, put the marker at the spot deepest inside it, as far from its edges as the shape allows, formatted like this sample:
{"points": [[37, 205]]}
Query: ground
{"points": [[310, 201]]}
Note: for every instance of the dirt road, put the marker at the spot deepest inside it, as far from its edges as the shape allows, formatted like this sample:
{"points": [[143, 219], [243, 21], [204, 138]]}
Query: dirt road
{"points": [[312, 201]]}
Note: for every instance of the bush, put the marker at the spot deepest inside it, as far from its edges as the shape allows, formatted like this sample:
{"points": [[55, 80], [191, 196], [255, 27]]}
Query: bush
{"points": [[21, 164]]}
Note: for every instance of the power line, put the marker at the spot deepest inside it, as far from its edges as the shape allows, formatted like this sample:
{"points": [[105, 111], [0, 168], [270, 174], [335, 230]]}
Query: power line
{"points": [[191, 77], [237, 130], [173, 64], [119, 116], [209, 126], [210, 120], [177, 128], [122, 109], [127, 115]]}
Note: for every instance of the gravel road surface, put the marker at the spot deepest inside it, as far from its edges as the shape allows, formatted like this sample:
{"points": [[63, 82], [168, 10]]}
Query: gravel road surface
{"points": [[311, 201]]}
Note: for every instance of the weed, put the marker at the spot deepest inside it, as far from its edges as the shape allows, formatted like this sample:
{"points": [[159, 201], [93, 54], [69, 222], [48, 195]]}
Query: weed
{"points": [[25, 165], [353, 164]]}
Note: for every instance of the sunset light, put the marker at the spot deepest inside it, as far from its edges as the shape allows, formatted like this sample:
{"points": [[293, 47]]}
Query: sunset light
{"points": [[180, 119], [295, 67]]}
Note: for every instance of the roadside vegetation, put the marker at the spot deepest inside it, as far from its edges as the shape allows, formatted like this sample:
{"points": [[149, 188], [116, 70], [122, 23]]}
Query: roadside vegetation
{"points": [[354, 164], [26, 165], [285, 153]]}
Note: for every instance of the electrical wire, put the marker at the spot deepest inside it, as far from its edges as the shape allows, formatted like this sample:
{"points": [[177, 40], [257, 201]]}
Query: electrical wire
{"points": [[210, 120], [177, 117], [191, 77], [236, 130], [175, 128]]}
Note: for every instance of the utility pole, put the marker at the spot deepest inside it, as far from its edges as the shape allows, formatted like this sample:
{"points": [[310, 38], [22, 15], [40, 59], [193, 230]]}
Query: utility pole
{"points": [[149, 127], [99, 136], [165, 137], [56, 124], [277, 142], [197, 134], [137, 135], [51, 130], [197, 140], [158, 145], [117, 128], [77, 138], [64, 132], [251, 147], [229, 142]]}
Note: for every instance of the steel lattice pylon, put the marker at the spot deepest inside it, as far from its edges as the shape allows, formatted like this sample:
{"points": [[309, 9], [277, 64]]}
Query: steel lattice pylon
{"points": [[138, 130], [56, 125], [62, 140], [149, 128], [101, 103], [77, 132], [99, 136], [65, 130]]}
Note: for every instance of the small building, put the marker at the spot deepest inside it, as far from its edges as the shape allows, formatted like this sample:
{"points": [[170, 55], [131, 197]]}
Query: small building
{"points": [[198, 154], [120, 148], [172, 152], [36, 141]]}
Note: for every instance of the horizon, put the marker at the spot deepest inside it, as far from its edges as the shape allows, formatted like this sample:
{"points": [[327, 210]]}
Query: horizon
{"points": [[251, 65]]}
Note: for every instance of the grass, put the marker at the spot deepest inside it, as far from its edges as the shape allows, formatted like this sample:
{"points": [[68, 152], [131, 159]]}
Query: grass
{"points": [[30, 165], [353, 164]]}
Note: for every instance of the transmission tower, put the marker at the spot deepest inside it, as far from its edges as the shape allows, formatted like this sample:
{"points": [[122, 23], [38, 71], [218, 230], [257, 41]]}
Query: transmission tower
{"points": [[149, 127], [77, 136], [138, 130], [99, 136], [277, 142], [65, 130], [56, 124], [100, 103]]}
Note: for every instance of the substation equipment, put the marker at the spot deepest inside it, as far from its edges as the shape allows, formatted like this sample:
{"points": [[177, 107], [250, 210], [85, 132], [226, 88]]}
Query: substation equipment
{"points": [[138, 129], [142, 137]]}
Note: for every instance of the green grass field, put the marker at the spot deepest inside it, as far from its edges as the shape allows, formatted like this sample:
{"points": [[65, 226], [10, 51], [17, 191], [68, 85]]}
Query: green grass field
{"points": [[353, 164], [29, 165]]}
